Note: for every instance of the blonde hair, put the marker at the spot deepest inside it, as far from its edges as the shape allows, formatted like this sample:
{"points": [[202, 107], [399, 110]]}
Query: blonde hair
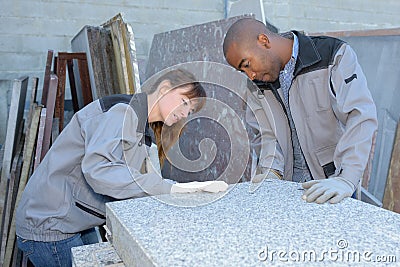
{"points": [[166, 136]]}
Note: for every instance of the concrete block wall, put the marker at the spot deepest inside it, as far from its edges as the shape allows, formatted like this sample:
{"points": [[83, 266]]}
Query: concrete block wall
{"points": [[338, 15], [28, 28]]}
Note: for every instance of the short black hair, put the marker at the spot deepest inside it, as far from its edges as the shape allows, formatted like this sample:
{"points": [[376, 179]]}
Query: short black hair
{"points": [[242, 30]]}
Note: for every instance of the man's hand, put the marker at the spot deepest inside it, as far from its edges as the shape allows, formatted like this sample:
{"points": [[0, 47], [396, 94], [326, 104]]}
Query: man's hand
{"points": [[271, 174], [208, 186], [333, 189]]}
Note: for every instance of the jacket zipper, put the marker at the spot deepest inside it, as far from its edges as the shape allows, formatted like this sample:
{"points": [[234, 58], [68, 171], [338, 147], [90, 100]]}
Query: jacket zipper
{"points": [[278, 97], [94, 213]]}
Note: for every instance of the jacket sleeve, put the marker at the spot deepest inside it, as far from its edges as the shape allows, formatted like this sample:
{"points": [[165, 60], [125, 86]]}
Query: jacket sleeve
{"points": [[356, 110], [111, 149], [263, 141]]}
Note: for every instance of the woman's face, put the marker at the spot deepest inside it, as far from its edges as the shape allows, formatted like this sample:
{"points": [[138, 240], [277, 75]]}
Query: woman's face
{"points": [[174, 105]]}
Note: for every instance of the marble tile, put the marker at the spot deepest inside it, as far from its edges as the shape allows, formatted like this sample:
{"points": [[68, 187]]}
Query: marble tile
{"points": [[272, 226]]}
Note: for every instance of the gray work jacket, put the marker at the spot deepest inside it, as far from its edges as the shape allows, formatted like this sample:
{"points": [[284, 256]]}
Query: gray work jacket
{"points": [[332, 109], [95, 159]]}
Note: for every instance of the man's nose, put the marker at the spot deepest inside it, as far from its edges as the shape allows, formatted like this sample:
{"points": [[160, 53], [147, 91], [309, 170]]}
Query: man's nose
{"points": [[250, 74]]}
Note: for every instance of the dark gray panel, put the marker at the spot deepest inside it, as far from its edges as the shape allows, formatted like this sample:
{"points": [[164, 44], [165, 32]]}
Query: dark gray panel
{"points": [[201, 43]]}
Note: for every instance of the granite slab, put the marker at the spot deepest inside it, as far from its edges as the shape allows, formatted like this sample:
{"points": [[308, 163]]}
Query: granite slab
{"points": [[96, 255], [202, 43], [271, 226]]}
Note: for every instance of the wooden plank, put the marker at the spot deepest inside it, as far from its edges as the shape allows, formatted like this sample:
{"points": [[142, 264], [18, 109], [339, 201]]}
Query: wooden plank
{"points": [[99, 65], [85, 82], [62, 62], [375, 32], [46, 79], [32, 101], [50, 103], [391, 198], [87, 41], [10, 192], [128, 61], [39, 143], [32, 104], [31, 139], [61, 72], [14, 122], [8, 209], [97, 43], [70, 56], [119, 52], [110, 69]]}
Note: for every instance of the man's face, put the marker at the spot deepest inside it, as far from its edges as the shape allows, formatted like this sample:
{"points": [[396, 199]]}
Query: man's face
{"points": [[257, 60]]}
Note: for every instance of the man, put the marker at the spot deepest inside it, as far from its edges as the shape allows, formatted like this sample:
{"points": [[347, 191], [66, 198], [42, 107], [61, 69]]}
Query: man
{"points": [[322, 119]]}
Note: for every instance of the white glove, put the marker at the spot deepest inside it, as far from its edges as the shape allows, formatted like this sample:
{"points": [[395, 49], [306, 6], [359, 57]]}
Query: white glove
{"points": [[208, 186], [271, 174], [333, 189]]}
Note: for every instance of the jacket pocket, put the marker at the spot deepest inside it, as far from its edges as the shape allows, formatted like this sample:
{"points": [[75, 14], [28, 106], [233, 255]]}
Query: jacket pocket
{"points": [[325, 155], [316, 94], [324, 130], [90, 211], [89, 201], [325, 160]]}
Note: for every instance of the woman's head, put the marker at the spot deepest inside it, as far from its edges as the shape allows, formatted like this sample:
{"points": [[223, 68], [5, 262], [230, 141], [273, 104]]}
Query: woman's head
{"points": [[178, 94], [172, 97], [175, 95]]}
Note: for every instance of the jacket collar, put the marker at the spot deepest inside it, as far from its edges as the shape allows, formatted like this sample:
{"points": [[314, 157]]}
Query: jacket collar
{"points": [[308, 54], [140, 106]]}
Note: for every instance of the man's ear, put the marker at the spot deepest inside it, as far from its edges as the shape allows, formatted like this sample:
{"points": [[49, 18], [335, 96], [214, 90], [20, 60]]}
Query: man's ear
{"points": [[164, 87], [263, 39]]}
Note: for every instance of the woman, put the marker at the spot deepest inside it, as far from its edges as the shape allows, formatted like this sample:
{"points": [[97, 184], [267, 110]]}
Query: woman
{"points": [[98, 158]]}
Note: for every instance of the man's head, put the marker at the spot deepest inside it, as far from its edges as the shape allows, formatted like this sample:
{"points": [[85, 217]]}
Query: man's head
{"points": [[250, 47]]}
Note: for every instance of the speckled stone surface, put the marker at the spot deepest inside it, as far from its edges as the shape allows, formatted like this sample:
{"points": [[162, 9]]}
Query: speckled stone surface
{"points": [[96, 255], [271, 226]]}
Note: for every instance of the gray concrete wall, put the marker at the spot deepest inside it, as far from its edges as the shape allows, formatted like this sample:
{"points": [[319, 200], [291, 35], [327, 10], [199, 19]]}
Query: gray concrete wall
{"points": [[336, 15], [30, 27]]}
